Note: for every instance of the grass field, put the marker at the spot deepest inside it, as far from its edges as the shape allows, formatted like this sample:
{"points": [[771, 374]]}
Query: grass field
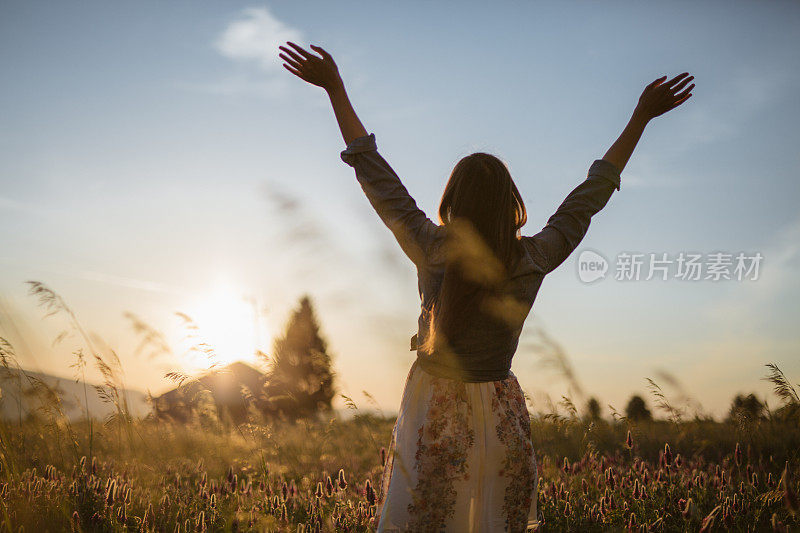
{"points": [[147, 474], [323, 476]]}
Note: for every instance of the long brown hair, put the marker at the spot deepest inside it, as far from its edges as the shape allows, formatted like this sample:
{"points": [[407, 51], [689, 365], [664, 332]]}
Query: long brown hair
{"points": [[484, 212]]}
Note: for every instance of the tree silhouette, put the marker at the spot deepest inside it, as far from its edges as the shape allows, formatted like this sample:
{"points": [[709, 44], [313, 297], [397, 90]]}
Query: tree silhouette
{"points": [[637, 409], [300, 380], [593, 409], [746, 408]]}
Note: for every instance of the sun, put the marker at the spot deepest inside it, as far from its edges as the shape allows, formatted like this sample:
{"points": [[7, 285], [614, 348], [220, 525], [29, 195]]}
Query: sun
{"points": [[230, 323]]}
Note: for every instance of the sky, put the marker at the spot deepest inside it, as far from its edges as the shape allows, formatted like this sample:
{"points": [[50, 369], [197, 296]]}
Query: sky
{"points": [[155, 159]]}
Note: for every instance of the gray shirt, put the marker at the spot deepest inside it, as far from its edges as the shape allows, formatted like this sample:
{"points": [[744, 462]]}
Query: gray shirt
{"points": [[485, 351]]}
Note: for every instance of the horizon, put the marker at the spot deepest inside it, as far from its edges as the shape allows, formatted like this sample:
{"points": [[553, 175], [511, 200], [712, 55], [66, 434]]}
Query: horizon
{"points": [[349, 409]]}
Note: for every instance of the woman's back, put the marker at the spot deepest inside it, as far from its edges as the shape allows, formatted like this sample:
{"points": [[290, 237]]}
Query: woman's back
{"points": [[483, 349]]}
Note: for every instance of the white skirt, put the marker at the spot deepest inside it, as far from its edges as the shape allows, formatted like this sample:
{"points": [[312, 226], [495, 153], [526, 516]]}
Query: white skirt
{"points": [[460, 459]]}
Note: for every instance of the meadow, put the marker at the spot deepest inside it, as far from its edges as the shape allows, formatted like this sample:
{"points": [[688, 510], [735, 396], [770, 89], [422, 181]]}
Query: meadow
{"points": [[127, 473], [147, 475]]}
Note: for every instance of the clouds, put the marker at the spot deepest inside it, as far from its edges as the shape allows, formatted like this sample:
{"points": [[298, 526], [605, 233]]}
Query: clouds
{"points": [[251, 42], [254, 38]]}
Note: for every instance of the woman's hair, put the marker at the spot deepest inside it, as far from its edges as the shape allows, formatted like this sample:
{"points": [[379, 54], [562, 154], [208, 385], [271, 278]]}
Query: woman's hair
{"points": [[484, 212]]}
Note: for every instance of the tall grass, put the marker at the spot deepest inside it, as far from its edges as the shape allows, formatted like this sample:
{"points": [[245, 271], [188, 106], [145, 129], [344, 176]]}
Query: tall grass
{"points": [[686, 472]]}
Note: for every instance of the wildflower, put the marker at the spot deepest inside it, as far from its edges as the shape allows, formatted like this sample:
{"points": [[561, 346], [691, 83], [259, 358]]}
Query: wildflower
{"points": [[567, 509], [629, 440], [737, 454], [369, 492], [632, 521], [565, 468], [111, 491], [341, 480], [318, 492], [667, 454], [584, 486]]}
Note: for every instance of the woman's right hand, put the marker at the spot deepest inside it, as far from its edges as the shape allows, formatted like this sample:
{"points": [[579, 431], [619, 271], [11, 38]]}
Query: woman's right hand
{"points": [[660, 96], [316, 70]]}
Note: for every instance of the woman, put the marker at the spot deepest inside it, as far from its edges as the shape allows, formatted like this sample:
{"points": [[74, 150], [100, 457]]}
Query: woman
{"points": [[461, 458]]}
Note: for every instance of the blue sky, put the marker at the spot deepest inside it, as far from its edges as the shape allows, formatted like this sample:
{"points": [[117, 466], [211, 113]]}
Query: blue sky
{"points": [[155, 158]]}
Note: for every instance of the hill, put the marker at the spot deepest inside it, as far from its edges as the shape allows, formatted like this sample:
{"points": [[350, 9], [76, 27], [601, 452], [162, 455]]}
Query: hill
{"points": [[231, 389], [19, 399]]}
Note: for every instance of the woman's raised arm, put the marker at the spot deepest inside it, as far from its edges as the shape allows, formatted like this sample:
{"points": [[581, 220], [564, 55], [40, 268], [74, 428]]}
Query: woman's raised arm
{"points": [[323, 72], [656, 99], [567, 227], [414, 231]]}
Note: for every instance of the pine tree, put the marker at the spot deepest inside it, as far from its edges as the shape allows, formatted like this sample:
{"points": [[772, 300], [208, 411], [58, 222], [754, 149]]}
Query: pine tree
{"points": [[300, 379], [593, 409], [746, 408], [637, 409]]}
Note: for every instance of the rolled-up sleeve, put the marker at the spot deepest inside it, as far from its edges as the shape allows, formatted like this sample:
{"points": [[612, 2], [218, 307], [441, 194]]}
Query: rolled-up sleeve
{"points": [[414, 231], [569, 224]]}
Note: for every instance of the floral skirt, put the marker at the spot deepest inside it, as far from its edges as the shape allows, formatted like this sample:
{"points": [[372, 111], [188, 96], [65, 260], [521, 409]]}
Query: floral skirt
{"points": [[460, 459]]}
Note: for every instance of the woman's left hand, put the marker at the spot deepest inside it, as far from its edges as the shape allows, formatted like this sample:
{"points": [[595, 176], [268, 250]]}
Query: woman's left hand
{"points": [[316, 70]]}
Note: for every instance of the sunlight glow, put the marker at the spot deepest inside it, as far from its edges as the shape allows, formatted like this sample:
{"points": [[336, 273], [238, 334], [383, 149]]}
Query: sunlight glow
{"points": [[230, 323]]}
